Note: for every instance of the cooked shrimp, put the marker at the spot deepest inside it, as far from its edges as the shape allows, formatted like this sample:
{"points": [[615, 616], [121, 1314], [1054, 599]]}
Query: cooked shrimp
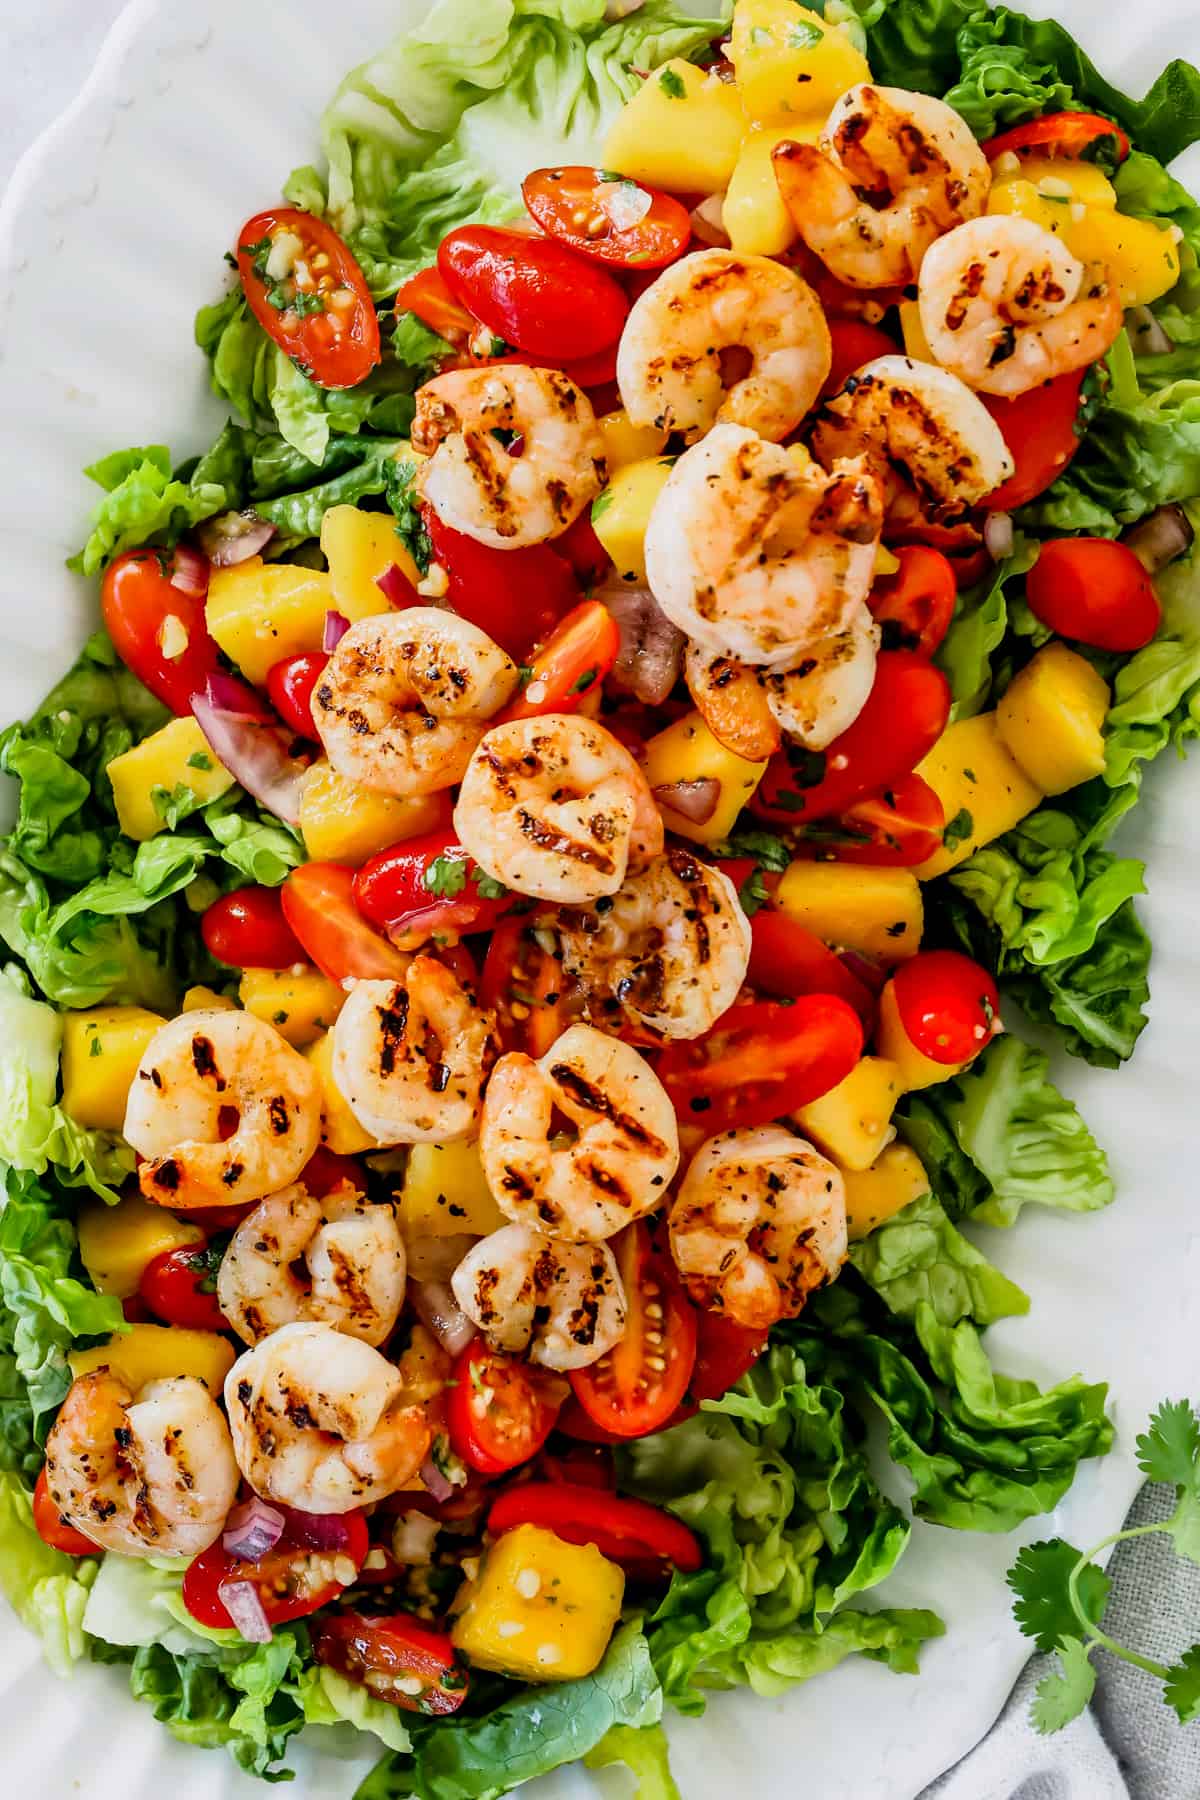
{"points": [[893, 172], [824, 694], [758, 556], [410, 1057], [351, 1265], [202, 1072], [562, 1305], [759, 1224], [669, 953], [475, 484], [731, 700], [320, 1422], [621, 1146], [147, 1476], [555, 807], [1005, 306], [406, 697], [678, 361], [921, 431]]}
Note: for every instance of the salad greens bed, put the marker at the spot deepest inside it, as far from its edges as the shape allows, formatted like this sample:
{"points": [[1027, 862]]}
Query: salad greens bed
{"points": [[436, 130]]}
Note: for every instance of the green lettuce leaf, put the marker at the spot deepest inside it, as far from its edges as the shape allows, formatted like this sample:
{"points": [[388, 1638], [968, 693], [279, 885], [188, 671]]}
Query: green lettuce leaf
{"points": [[1156, 693], [143, 504], [645, 1754], [229, 1700], [1147, 191], [47, 1590], [918, 1257], [327, 1698], [983, 618]]}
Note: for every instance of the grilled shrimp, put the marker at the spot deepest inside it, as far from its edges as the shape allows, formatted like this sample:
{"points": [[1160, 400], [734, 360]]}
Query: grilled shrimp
{"points": [[759, 1224], [562, 1305], [623, 1144], [406, 697], [410, 1057], [731, 700], [757, 556], [670, 953], [893, 172], [351, 1253], [474, 483], [198, 1072], [319, 1421], [557, 808], [921, 431], [1005, 306], [706, 312], [147, 1476], [824, 694]]}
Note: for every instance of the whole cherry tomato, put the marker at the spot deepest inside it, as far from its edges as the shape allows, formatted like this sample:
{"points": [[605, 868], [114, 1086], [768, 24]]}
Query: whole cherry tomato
{"points": [[180, 1288], [248, 930], [290, 685], [572, 662], [1095, 591], [607, 220], [500, 1410], [428, 885], [157, 627], [319, 905], [913, 608], [52, 1528], [948, 1005], [761, 1060], [292, 1580], [634, 1388], [1072, 134], [326, 1170], [533, 292], [396, 1657], [308, 293]]}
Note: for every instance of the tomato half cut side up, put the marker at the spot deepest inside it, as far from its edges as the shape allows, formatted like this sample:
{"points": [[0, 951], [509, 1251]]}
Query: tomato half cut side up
{"points": [[1075, 134], [761, 1061], [157, 627], [635, 1387], [524, 989], [180, 1287], [895, 829], [532, 291], [500, 1410], [643, 1539], [396, 1657], [913, 608], [247, 930], [308, 293], [608, 219], [948, 1004], [315, 1560], [573, 661], [1041, 429], [424, 886], [1095, 591], [52, 1528], [318, 904], [787, 960]]}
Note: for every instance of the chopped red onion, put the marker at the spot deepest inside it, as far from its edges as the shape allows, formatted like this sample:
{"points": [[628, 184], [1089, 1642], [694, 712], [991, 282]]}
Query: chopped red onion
{"points": [[413, 1537], [189, 572], [234, 537], [233, 695], [650, 655], [436, 1258], [998, 535], [240, 1600], [437, 1308], [336, 627], [708, 222], [316, 1531], [1158, 539], [254, 746], [1146, 333], [625, 202], [252, 1529], [865, 968], [396, 588], [435, 1482], [693, 800]]}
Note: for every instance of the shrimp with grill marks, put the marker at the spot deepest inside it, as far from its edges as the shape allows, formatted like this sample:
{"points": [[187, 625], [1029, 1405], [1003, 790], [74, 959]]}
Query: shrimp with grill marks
{"points": [[621, 1143], [562, 1305], [203, 1073], [824, 694]]}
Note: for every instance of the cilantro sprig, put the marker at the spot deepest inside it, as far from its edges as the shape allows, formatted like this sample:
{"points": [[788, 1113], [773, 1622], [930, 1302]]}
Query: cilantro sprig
{"points": [[1061, 1592]]}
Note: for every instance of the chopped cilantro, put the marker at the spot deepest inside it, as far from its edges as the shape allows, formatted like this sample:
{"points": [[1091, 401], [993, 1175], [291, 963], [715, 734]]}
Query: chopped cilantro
{"points": [[410, 526], [96, 1048], [584, 682], [601, 504], [958, 829], [486, 887], [446, 876], [671, 83], [803, 36], [200, 759]]}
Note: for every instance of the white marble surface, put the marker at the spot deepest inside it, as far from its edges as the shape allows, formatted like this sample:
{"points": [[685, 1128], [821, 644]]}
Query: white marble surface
{"points": [[46, 52]]}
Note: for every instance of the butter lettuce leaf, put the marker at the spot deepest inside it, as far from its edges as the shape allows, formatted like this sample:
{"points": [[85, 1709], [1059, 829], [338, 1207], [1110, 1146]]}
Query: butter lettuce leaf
{"points": [[918, 1257], [47, 1590]]}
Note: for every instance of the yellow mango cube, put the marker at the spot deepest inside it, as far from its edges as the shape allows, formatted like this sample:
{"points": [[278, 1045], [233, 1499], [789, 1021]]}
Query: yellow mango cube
{"points": [[359, 547], [261, 612], [916, 344], [625, 442], [117, 1242], [1051, 718], [1059, 178], [300, 1003], [101, 1050], [340, 1130], [891, 1040], [789, 61], [621, 514], [984, 791], [343, 822], [206, 999], [539, 1609], [177, 756], [852, 1123], [894, 1180], [753, 212], [148, 1353], [688, 751], [445, 1192], [681, 131], [877, 911], [1142, 258]]}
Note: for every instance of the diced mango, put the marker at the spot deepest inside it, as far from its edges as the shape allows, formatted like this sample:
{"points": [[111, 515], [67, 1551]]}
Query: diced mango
{"points": [[261, 612], [206, 999], [885, 562], [100, 1053], [1062, 177], [148, 1353], [178, 756], [359, 547], [1051, 718], [300, 1003], [621, 514], [343, 822], [116, 1242], [852, 1123], [789, 61], [984, 791], [1142, 258], [625, 442], [681, 131], [877, 911], [916, 344], [445, 1192], [688, 751], [753, 212], [894, 1180], [891, 1040], [539, 1609], [340, 1130]]}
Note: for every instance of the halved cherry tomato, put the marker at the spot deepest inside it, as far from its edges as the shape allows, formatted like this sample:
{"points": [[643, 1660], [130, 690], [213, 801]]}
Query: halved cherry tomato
{"points": [[724, 1353], [293, 1579], [1060, 134], [914, 607], [52, 1528], [180, 1288], [516, 596], [319, 905], [854, 343], [326, 1170], [532, 291], [500, 1410], [426, 885], [643, 1539], [320, 313], [580, 547], [902, 720], [623, 1391], [788, 960], [158, 629], [594, 213], [761, 1060], [895, 829], [427, 295], [290, 686], [247, 930], [578, 654], [524, 988], [587, 1465], [387, 1654], [1041, 431], [1095, 591], [948, 1005]]}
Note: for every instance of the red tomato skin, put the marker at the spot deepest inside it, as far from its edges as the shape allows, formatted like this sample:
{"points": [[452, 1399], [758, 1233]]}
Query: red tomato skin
{"points": [[1096, 591], [854, 343], [516, 596], [515, 959], [203, 1577], [357, 1644], [326, 1170], [318, 904], [136, 597], [580, 547], [247, 929], [787, 960], [608, 1389], [533, 292], [171, 1287], [627, 1531], [572, 663], [761, 1060], [52, 1528], [1061, 134], [554, 196], [391, 893], [427, 295], [901, 827], [331, 358], [948, 1004], [290, 686], [913, 608], [1040, 429], [475, 1438]]}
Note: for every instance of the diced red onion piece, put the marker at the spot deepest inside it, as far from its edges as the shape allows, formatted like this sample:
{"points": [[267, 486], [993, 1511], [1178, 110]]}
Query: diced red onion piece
{"points": [[189, 572], [257, 751], [413, 1537], [435, 1482], [708, 222], [436, 1258], [232, 695], [867, 970], [240, 1600], [336, 627], [998, 535], [437, 1308], [1158, 539], [626, 203], [693, 800], [395, 587], [1146, 333], [252, 1529], [315, 1531], [650, 654], [234, 537]]}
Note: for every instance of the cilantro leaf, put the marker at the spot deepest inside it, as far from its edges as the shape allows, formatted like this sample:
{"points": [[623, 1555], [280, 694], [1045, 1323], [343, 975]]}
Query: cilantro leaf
{"points": [[753, 893], [486, 887], [958, 829], [1184, 1526], [446, 876], [1063, 1694], [1182, 1687], [769, 852], [1170, 1449], [671, 84], [410, 526], [1043, 1607]]}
